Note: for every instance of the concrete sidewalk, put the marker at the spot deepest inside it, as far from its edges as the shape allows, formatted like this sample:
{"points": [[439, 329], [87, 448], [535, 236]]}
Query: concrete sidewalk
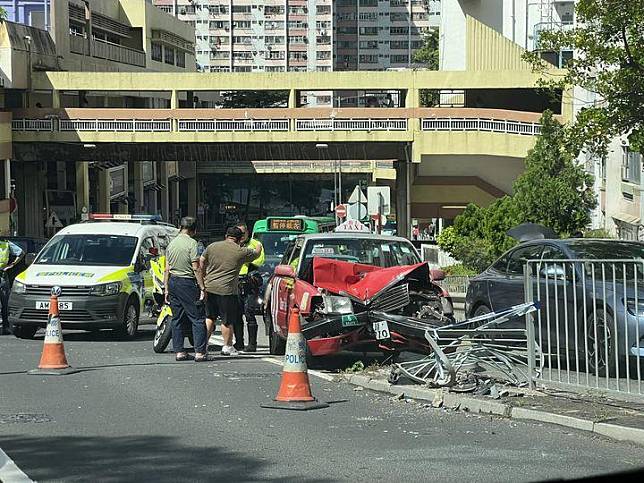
{"points": [[601, 415]]}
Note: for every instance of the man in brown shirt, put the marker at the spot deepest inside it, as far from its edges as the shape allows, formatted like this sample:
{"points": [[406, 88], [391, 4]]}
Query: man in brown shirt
{"points": [[221, 263]]}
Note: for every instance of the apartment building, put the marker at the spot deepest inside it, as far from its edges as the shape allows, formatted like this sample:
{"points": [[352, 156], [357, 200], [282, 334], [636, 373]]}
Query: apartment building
{"points": [[94, 36], [305, 35]]}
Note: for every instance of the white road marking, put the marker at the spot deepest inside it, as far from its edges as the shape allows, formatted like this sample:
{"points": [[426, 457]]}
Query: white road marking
{"points": [[9, 472]]}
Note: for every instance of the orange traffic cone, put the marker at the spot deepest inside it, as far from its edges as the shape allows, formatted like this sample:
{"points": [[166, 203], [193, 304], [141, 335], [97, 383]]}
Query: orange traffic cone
{"points": [[295, 389], [53, 360]]}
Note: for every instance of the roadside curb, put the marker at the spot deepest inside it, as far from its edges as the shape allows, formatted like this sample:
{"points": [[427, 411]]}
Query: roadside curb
{"points": [[439, 397]]}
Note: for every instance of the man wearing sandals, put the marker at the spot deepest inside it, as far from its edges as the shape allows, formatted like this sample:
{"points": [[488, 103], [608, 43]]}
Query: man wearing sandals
{"points": [[184, 290]]}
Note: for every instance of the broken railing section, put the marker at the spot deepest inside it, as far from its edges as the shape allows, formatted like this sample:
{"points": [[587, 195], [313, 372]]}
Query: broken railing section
{"points": [[495, 344]]}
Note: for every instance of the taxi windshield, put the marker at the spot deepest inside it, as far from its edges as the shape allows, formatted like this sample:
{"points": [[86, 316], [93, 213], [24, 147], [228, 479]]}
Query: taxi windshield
{"points": [[274, 243], [112, 250], [370, 251]]}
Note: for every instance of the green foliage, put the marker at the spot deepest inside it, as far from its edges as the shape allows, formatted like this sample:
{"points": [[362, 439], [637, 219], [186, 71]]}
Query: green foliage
{"points": [[458, 270], [254, 99], [554, 191], [3, 14], [609, 60], [428, 55], [598, 233]]}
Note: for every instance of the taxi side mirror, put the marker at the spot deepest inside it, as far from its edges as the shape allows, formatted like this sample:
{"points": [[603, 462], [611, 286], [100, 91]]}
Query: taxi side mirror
{"points": [[285, 271], [30, 258]]}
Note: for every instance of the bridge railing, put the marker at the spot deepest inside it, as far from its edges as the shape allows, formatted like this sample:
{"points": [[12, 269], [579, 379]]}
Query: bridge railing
{"points": [[478, 124], [228, 125], [351, 124]]}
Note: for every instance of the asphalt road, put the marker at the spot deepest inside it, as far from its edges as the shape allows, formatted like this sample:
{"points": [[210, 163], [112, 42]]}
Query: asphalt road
{"points": [[133, 415]]}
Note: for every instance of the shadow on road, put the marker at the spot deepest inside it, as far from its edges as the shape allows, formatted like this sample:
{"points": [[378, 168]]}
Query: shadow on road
{"points": [[134, 458], [105, 335]]}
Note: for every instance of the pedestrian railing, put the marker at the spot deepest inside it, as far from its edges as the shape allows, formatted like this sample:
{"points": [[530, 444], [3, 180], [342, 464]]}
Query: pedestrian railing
{"points": [[455, 284], [590, 324], [488, 125], [227, 125], [32, 125], [351, 124], [115, 125]]}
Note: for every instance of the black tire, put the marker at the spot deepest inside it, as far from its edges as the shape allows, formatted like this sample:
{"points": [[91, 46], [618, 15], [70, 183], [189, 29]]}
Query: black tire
{"points": [[130, 324], [605, 328], [481, 310], [162, 336], [25, 331], [277, 345]]}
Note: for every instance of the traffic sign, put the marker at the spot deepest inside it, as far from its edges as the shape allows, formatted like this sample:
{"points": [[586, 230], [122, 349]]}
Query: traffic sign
{"points": [[53, 221], [379, 200], [357, 211], [352, 225], [357, 196], [341, 211]]}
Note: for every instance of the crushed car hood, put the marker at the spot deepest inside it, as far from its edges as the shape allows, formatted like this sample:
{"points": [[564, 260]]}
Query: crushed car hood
{"points": [[359, 281]]}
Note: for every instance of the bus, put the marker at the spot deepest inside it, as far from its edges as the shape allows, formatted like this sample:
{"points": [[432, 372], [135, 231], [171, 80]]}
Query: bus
{"points": [[274, 233]]}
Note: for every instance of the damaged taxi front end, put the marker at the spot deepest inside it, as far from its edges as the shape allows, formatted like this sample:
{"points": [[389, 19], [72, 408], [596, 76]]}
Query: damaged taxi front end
{"points": [[354, 306]]}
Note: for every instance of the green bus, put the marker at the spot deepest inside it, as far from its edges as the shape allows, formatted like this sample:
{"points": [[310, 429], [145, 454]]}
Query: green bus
{"points": [[274, 233]]}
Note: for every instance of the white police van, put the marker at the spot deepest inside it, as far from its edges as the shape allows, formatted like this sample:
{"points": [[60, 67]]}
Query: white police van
{"points": [[102, 266]]}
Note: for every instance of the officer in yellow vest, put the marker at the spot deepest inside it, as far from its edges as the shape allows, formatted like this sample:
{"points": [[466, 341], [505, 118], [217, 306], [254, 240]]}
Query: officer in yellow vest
{"points": [[10, 255], [249, 283]]}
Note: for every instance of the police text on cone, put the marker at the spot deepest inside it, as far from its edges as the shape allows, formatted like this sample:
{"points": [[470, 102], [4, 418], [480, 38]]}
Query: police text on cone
{"points": [[295, 385], [53, 352]]}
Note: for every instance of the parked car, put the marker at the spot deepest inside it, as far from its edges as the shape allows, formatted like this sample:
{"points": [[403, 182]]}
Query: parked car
{"points": [[354, 290], [576, 296]]}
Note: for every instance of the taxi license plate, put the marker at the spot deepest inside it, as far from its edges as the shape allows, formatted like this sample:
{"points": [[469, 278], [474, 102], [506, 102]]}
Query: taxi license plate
{"points": [[381, 330], [44, 305]]}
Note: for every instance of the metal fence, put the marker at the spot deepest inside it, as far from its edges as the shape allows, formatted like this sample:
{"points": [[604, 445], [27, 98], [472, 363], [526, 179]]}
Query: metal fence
{"points": [[351, 125], [590, 324], [32, 125], [243, 125], [455, 284], [476, 124], [116, 125]]}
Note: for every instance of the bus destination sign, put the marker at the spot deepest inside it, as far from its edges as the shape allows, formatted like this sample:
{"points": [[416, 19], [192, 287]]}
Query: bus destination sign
{"points": [[285, 224]]}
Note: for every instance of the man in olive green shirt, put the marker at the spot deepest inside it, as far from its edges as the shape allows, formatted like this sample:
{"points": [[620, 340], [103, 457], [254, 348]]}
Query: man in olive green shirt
{"points": [[185, 290], [221, 263]]}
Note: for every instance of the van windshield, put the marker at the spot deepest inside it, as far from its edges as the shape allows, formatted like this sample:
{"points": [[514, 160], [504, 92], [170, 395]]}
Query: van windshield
{"points": [[112, 250]]}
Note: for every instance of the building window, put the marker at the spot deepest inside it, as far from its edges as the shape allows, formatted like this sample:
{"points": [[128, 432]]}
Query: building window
{"points": [[169, 55], [241, 8], [241, 24], [181, 58], [399, 59], [631, 166], [242, 68], [157, 52]]}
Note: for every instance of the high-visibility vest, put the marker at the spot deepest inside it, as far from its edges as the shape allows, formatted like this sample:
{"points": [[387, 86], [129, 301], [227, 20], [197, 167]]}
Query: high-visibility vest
{"points": [[5, 253], [258, 262]]}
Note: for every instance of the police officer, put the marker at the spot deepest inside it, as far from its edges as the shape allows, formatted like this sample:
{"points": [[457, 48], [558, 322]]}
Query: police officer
{"points": [[10, 256], [250, 282]]}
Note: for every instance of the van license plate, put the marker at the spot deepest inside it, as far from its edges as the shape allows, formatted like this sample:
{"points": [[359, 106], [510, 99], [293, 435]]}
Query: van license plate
{"points": [[381, 329], [44, 305]]}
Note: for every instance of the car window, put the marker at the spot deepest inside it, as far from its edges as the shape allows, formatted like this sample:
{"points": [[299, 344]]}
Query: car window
{"points": [[287, 253], [551, 252], [295, 254], [520, 256], [501, 264]]}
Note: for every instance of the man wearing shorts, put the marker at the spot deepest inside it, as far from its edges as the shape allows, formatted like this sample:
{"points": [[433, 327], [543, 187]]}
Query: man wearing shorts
{"points": [[221, 263]]}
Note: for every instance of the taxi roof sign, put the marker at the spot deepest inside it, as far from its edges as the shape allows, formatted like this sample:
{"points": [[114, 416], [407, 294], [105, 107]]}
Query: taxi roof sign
{"points": [[123, 217], [352, 225]]}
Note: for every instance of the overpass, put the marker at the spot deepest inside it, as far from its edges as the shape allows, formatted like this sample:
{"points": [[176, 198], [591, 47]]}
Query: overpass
{"points": [[444, 156]]}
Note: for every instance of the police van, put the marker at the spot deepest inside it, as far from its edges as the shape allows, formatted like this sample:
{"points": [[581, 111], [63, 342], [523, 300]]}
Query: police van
{"points": [[103, 268]]}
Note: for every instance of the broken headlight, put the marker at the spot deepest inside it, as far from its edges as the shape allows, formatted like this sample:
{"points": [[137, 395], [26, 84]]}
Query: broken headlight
{"points": [[337, 305]]}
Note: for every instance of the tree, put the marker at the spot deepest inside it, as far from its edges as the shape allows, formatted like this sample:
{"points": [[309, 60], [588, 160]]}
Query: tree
{"points": [[608, 59], [254, 99], [3, 14], [428, 55], [554, 190]]}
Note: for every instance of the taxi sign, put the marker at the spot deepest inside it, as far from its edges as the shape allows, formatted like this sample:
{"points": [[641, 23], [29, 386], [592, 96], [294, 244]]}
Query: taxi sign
{"points": [[285, 224], [352, 225]]}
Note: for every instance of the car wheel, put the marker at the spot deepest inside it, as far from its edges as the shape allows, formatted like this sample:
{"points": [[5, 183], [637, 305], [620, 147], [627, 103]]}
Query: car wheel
{"points": [[162, 335], [482, 310], [276, 345], [600, 358], [130, 324], [24, 331]]}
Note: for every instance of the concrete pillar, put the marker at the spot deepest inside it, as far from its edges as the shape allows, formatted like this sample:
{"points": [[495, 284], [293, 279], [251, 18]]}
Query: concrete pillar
{"points": [[162, 176], [192, 197], [174, 201], [82, 186], [103, 192], [412, 99], [6, 189], [55, 99], [31, 179], [402, 199], [61, 175], [174, 100], [137, 181], [292, 99]]}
